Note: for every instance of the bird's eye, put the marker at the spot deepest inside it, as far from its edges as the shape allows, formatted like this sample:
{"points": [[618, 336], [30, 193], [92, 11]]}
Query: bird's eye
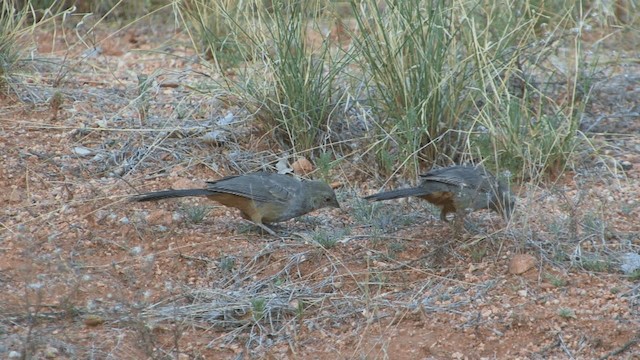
{"points": [[327, 200]]}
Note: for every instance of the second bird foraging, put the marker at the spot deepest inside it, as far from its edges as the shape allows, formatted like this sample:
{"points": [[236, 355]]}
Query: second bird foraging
{"points": [[457, 188]]}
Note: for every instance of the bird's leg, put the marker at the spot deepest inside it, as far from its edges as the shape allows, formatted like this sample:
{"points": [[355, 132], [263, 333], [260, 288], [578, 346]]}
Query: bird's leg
{"points": [[265, 228], [443, 215], [259, 224], [257, 221], [446, 209], [458, 223]]}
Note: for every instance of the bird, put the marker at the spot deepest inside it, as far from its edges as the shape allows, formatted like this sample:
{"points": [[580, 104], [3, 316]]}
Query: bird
{"points": [[455, 189], [262, 197]]}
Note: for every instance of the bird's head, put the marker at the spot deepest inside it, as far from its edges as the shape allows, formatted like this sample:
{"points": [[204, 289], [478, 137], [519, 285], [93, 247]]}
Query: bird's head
{"points": [[321, 195]]}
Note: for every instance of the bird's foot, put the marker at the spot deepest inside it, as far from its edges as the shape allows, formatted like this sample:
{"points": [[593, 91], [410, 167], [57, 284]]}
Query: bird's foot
{"points": [[266, 228], [251, 227]]}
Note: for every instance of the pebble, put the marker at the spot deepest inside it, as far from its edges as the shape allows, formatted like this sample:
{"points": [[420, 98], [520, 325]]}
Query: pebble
{"points": [[216, 137], [50, 352], [521, 263], [302, 166], [82, 151], [93, 320]]}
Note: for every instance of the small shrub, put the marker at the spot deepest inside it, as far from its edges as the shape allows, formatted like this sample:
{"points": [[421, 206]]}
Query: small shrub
{"points": [[325, 238], [478, 253], [394, 248], [258, 308], [409, 55], [218, 30], [381, 217], [596, 265], [12, 23], [635, 275], [227, 263], [566, 313], [196, 213], [325, 163], [555, 280]]}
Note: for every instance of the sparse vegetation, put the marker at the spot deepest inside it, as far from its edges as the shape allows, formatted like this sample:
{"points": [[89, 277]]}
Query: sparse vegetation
{"points": [[478, 252], [196, 213], [596, 265], [326, 239], [555, 280], [296, 97], [12, 27], [394, 248], [381, 217], [567, 313], [227, 263], [325, 163], [258, 308], [416, 87], [542, 92], [634, 276]]}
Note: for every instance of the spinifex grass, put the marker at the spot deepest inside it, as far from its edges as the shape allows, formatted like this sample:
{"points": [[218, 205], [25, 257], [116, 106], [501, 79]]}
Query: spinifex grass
{"points": [[417, 82], [12, 23], [284, 76], [452, 80], [523, 122]]}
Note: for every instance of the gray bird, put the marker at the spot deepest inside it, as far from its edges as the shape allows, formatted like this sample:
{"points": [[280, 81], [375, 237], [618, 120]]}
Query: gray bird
{"points": [[261, 197], [457, 188]]}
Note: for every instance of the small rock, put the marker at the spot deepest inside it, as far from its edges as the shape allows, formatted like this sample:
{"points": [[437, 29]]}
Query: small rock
{"points": [[135, 251], [630, 262], [14, 355], [521, 263], [282, 166], [302, 166], [626, 165], [227, 120], [93, 52], [161, 228], [82, 151], [50, 352], [215, 137], [294, 304], [99, 157], [93, 320]]}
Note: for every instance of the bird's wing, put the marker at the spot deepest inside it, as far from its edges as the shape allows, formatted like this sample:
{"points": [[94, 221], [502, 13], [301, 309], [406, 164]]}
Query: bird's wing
{"points": [[454, 175], [476, 177], [261, 186]]}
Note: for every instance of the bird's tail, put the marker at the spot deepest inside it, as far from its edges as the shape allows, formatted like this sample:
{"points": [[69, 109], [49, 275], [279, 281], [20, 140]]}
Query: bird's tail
{"points": [[167, 194], [396, 194]]}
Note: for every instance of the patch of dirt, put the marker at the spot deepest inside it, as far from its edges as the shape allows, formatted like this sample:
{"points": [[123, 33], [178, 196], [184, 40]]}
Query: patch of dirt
{"points": [[85, 273]]}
